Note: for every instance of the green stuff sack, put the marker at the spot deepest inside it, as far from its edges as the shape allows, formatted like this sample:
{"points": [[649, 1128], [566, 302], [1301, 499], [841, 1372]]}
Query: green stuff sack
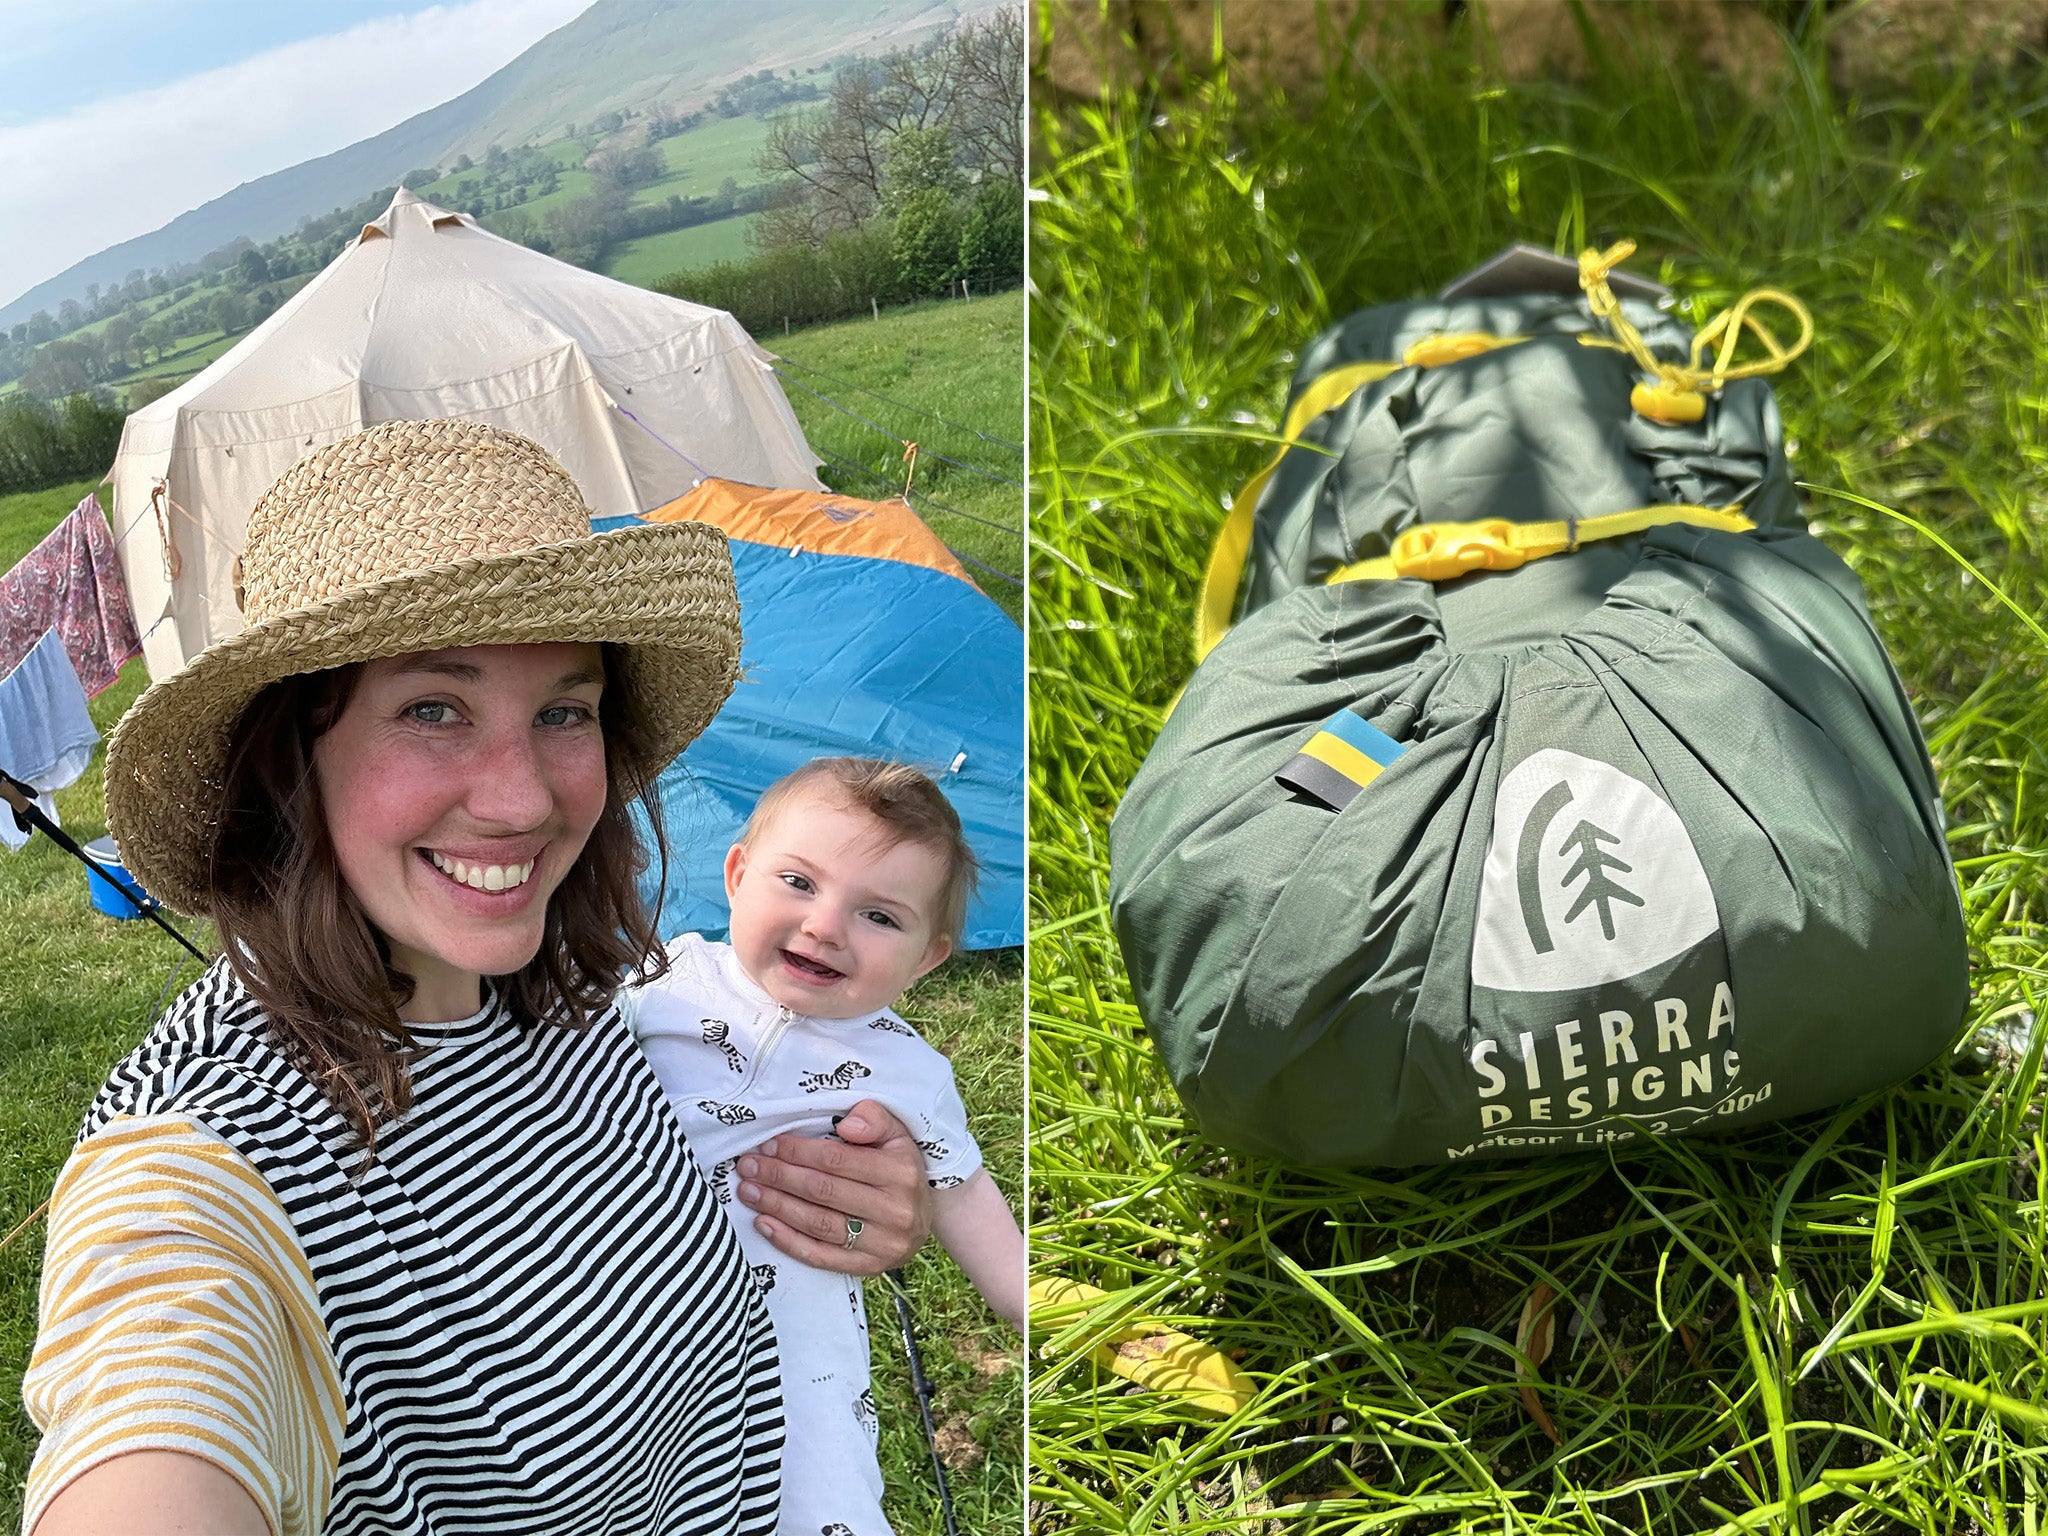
{"points": [[1638, 837]]}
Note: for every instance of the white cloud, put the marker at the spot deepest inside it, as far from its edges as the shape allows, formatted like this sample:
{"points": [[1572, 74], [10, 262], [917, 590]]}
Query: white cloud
{"points": [[77, 183]]}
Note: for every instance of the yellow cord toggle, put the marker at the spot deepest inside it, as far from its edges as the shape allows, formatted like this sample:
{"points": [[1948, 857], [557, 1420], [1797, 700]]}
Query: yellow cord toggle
{"points": [[1678, 393]]}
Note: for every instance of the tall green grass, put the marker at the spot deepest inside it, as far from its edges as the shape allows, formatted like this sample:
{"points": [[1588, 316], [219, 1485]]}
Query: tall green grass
{"points": [[1839, 1324]]}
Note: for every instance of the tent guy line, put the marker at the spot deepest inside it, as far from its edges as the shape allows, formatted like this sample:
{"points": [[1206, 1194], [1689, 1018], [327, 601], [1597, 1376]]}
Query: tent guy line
{"points": [[671, 447], [931, 501], [983, 565], [927, 501]]}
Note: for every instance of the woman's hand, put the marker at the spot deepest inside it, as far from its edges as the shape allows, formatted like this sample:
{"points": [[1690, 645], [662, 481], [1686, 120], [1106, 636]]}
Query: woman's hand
{"points": [[805, 1188]]}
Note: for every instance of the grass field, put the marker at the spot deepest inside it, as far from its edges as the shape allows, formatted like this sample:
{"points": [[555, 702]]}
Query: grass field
{"points": [[652, 256], [960, 361], [1835, 1325], [77, 989], [699, 159]]}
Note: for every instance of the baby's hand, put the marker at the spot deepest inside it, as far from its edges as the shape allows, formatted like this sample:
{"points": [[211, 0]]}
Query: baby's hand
{"points": [[805, 1188]]}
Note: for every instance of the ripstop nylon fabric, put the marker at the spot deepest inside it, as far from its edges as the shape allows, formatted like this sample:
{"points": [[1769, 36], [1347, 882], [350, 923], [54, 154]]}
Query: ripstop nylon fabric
{"points": [[1664, 852]]}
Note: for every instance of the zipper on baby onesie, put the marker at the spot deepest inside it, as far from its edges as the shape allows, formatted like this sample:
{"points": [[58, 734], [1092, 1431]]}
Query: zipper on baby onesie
{"points": [[768, 1042]]}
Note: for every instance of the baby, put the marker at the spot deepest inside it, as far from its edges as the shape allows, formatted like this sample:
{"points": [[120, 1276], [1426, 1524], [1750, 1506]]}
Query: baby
{"points": [[848, 883]]}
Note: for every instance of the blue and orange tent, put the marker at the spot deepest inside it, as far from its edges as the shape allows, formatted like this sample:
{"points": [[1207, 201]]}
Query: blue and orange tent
{"points": [[863, 636]]}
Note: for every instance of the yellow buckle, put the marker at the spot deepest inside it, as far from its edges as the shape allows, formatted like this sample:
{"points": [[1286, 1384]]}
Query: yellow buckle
{"points": [[1446, 551]]}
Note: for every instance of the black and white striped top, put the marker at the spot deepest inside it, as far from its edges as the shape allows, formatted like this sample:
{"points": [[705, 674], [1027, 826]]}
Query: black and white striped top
{"points": [[535, 1316]]}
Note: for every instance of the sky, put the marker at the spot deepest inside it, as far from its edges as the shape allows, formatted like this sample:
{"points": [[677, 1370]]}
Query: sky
{"points": [[116, 116]]}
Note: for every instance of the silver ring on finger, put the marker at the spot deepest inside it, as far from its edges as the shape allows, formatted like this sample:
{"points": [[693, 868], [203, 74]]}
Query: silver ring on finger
{"points": [[854, 1228]]}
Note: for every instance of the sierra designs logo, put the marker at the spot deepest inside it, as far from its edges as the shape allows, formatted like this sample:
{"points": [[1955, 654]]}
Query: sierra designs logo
{"points": [[1589, 877]]}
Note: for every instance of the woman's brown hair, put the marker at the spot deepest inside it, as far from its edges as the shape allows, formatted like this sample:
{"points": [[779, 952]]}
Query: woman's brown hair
{"points": [[299, 940]]}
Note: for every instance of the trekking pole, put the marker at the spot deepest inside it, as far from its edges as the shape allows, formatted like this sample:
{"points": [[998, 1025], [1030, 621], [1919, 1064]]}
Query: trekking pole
{"points": [[29, 817], [923, 1387]]}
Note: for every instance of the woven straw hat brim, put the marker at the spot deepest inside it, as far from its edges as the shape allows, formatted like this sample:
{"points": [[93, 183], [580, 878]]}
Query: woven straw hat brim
{"points": [[663, 594]]}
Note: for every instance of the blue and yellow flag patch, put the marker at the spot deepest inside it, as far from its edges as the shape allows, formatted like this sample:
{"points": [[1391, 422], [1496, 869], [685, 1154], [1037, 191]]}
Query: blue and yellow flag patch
{"points": [[1339, 760]]}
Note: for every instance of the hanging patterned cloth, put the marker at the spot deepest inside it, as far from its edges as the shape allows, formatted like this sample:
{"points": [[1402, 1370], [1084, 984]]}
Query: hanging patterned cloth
{"points": [[71, 582]]}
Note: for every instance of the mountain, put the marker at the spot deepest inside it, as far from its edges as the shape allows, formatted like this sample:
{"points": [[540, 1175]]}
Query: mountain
{"points": [[616, 55]]}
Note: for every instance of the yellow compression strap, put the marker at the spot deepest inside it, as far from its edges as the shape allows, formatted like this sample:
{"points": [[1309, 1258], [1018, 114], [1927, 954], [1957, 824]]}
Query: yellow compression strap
{"points": [[1446, 551], [1324, 393]]}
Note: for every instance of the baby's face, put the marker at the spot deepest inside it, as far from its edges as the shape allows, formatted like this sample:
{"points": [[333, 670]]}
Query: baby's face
{"points": [[827, 917]]}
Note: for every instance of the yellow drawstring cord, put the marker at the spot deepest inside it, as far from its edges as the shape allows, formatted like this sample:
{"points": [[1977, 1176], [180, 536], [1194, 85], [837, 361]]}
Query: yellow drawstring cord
{"points": [[1680, 391]]}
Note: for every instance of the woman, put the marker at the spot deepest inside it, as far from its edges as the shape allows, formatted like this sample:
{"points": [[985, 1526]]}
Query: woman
{"points": [[386, 1227]]}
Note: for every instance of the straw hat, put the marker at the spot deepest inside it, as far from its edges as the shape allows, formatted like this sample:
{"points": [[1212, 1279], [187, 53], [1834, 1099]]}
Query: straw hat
{"points": [[417, 536]]}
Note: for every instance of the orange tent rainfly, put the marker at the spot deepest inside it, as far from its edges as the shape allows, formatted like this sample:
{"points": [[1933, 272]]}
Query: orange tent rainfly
{"points": [[822, 522]]}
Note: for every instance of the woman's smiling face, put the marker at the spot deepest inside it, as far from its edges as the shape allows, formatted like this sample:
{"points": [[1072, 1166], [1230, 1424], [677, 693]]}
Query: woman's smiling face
{"points": [[458, 788]]}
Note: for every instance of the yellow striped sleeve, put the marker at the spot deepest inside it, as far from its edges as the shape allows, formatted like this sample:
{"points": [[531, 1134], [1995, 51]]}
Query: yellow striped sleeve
{"points": [[177, 1313]]}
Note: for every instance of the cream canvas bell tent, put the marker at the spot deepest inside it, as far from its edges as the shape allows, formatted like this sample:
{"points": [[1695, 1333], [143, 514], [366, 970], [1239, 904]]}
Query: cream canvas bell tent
{"points": [[426, 314]]}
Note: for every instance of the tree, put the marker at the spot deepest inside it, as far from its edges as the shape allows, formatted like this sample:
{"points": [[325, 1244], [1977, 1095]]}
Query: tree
{"points": [[41, 445], [517, 226], [927, 240], [59, 369], [832, 161], [253, 267], [228, 312], [615, 167], [963, 90], [986, 112], [120, 336], [582, 230], [145, 390], [919, 160], [992, 236]]}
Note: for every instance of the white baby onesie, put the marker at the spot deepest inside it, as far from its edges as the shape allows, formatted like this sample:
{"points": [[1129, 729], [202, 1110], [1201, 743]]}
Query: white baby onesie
{"points": [[739, 1068]]}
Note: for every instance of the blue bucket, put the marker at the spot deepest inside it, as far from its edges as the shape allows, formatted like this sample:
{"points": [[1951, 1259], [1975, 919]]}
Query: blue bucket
{"points": [[108, 879]]}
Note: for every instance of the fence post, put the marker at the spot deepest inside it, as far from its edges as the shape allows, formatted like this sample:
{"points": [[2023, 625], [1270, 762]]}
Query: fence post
{"points": [[874, 305], [785, 325]]}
